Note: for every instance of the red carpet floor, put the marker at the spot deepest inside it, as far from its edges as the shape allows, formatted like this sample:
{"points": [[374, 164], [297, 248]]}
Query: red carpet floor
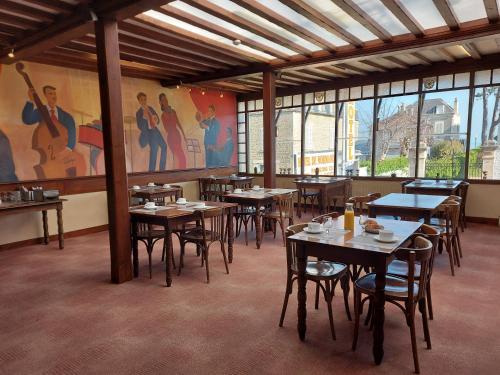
{"points": [[60, 315]]}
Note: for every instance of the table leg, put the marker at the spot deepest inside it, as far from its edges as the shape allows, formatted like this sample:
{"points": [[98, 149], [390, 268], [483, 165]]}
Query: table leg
{"points": [[301, 291], [169, 255], [371, 212], [135, 249], [60, 229], [379, 314], [427, 217], [258, 223], [45, 223], [230, 234], [299, 203]]}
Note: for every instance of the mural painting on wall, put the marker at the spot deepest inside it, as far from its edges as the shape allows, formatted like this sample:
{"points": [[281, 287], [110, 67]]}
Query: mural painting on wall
{"points": [[50, 125]]}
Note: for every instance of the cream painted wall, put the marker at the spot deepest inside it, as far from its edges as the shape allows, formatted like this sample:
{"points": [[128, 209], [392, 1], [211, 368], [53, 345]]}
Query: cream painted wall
{"points": [[482, 201], [79, 212]]}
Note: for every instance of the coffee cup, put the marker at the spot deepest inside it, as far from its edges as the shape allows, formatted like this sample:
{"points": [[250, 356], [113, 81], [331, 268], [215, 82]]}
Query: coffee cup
{"points": [[385, 234], [150, 205], [237, 191], [314, 226], [181, 200], [136, 187], [256, 187], [151, 184], [233, 175], [166, 186], [201, 205]]}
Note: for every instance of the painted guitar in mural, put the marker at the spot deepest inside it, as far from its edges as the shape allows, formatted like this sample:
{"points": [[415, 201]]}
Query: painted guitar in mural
{"points": [[50, 139]]}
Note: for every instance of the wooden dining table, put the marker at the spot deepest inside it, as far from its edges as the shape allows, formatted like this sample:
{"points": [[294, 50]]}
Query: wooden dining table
{"points": [[351, 247], [434, 187], [153, 193], [168, 217], [327, 186], [406, 205], [257, 199]]}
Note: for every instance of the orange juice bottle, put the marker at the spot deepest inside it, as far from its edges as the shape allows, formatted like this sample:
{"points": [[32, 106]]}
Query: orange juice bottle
{"points": [[349, 217]]}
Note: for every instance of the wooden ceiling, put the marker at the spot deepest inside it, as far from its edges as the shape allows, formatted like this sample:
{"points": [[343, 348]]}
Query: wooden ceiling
{"points": [[227, 44]]}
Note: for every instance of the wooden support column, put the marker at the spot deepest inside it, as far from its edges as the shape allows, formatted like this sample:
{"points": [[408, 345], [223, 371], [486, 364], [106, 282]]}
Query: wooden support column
{"points": [[108, 60], [269, 95]]}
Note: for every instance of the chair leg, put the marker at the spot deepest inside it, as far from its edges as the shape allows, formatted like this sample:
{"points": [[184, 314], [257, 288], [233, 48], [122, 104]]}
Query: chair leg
{"points": [[423, 310], [181, 258], [459, 245], [246, 232], [316, 300], [357, 310], [288, 291], [205, 255], [369, 312], [345, 288], [413, 340], [150, 250], [450, 255], [454, 245], [223, 250], [328, 298], [283, 235], [429, 301]]}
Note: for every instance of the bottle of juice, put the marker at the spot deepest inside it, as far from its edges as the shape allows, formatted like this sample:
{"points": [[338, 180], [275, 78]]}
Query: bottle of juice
{"points": [[349, 217]]}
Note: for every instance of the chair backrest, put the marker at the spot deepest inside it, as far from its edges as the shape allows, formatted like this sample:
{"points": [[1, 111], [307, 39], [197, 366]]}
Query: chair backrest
{"points": [[403, 185], [451, 212], [464, 188], [432, 234], [324, 218], [359, 202], [291, 259], [285, 205], [421, 252], [212, 220], [242, 184], [180, 193]]}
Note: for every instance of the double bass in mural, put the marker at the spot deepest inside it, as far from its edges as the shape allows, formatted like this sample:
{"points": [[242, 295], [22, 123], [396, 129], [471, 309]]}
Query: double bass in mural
{"points": [[55, 135]]}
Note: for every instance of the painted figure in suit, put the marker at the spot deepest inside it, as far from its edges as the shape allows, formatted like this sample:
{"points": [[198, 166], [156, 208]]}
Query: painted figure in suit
{"points": [[212, 128], [174, 131], [7, 167], [32, 116], [147, 122]]}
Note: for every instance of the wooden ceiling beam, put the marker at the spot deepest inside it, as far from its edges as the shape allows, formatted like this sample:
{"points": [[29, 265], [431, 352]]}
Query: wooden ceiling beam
{"points": [[359, 15], [283, 22], [424, 60], [315, 16], [491, 7], [352, 68], [472, 50], [23, 23], [246, 24], [445, 54], [221, 31], [446, 10], [22, 10], [332, 70], [395, 60], [55, 6], [404, 16], [373, 64]]}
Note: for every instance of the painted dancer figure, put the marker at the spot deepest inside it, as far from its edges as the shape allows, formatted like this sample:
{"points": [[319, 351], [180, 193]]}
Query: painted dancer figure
{"points": [[212, 128], [7, 167], [147, 122], [175, 133]]}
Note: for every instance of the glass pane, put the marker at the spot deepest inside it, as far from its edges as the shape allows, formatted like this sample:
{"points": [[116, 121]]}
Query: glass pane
{"points": [[443, 134], [425, 12], [343, 94], [383, 15], [242, 168], [297, 100], [483, 77], [241, 106], [241, 158], [368, 91], [354, 144], [287, 101], [330, 96], [288, 125], [496, 76], [259, 104], [462, 79], [309, 98], [241, 118], [255, 146], [241, 138], [468, 10], [411, 85], [484, 157], [397, 87], [251, 105], [396, 135], [383, 88], [445, 82], [319, 141], [355, 92]]}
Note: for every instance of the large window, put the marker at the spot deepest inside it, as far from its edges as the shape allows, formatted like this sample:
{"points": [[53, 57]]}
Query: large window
{"points": [[354, 138], [319, 139], [396, 133], [446, 126]]}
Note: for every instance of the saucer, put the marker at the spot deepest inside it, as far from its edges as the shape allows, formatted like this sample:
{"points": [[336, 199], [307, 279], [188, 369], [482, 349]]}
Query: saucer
{"points": [[151, 208], [320, 230], [182, 203], [393, 239]]}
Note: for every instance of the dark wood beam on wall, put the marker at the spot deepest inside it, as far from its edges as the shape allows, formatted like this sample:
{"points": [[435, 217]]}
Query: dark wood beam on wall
{"points": [[269, 96], [108, 59]]}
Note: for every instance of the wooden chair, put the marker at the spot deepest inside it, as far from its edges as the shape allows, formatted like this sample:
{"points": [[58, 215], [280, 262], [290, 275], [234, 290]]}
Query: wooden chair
{"points": [[399, 267], [464, 188], [203, 237], [406, 293], [313, 196], [403, 185], [285, 212], [244, 215], [448, 225], [325, 274], [323, 218], [359, 202], [212, 189]]}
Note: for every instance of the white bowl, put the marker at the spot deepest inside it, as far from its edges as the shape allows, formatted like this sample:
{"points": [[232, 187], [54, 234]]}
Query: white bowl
{"points": [[136, 187], [181, 201], [151, 184], [166, 186], [238, 191]]}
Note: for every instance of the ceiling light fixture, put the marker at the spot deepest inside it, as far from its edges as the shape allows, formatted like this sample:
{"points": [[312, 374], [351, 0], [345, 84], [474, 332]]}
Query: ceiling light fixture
{"points": [[221, 95], [236, 42], [11, 53], [202, 92]]}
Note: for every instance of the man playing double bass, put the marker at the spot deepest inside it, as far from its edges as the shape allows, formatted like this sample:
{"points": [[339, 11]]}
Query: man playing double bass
{"points": [[31, 115]]}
